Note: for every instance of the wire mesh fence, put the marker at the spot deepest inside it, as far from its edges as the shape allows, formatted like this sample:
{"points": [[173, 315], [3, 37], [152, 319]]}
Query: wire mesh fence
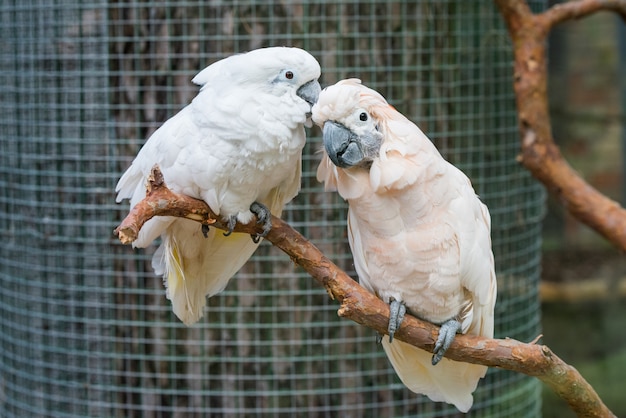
{"points": [[85, 328]]}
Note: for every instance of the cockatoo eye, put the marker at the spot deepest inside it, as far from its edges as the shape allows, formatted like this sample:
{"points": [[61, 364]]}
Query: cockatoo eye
{"points": [[289, 75], [363, 117]]}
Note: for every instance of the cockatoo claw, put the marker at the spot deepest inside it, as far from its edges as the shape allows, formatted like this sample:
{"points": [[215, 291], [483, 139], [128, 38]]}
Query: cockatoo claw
{"points": [[232, 221], [396, 316], [447, 332], [264, 217], [205, 230]]}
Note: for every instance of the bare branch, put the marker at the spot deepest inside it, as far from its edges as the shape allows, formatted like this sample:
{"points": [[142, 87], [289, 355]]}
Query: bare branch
{"points": [[366, 309], [540, 155], [578, 9]]}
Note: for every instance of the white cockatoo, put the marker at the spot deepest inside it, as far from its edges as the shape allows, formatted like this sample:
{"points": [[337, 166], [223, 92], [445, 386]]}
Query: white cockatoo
{"points": [[237, 146], [419, 235]]}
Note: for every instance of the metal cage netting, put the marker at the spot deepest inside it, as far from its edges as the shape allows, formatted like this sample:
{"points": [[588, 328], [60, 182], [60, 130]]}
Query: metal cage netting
{"points": [[85, 327]]}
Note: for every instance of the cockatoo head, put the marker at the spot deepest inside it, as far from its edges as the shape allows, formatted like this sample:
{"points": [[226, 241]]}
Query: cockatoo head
{"points": [[352, 117], [277, 71], [367, 141]]}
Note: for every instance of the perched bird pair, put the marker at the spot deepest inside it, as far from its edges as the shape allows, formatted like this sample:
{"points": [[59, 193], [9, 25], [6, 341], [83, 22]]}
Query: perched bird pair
{"points": [[420, 236]]}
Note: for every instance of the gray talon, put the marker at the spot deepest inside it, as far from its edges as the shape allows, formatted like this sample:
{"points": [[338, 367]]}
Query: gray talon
{"points": [[264, 217], [232, 221], [447, 332], [205, 230], [396, 316]]}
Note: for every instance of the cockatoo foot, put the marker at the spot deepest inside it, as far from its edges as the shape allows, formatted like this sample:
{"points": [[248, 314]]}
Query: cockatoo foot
{"points": [[205, 230], [396, 316], [447, 332], [232, 221], [264, 217]]}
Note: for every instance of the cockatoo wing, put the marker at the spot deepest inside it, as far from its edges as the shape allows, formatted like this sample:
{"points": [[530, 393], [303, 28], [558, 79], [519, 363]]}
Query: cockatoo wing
{"points": [[478, 276], [195, 266]]}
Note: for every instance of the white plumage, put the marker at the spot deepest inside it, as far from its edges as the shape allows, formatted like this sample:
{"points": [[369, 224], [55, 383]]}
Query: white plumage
{"points": [[238, 142], [417, 230]]}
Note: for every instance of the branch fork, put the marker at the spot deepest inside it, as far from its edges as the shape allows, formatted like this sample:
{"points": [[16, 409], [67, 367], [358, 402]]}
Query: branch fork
{"points": [[539, 152]]}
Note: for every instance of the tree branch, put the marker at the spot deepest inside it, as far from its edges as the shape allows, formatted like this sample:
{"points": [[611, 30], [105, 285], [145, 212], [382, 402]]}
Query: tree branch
{"points": [[539, 153], [366, 309], [579, 9]]}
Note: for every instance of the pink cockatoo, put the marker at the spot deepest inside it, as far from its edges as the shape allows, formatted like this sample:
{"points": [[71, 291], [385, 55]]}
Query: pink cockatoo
{"points": [[419, 234]]}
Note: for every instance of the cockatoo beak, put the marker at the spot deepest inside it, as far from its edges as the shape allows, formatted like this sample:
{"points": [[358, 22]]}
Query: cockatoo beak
{"points": [[342, 145], [310, 92]]}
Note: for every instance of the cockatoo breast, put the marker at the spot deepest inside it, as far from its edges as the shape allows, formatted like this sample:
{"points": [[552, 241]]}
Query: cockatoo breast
{"points": [[411, 250]]}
